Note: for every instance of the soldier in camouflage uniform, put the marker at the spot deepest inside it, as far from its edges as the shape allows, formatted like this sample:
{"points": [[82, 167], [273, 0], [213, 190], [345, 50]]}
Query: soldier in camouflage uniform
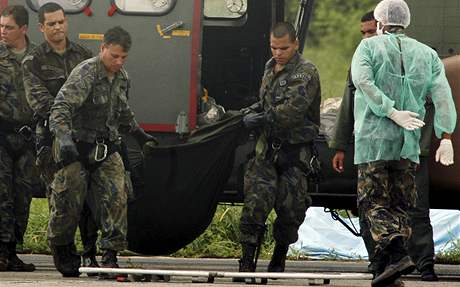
{"points": [[287, 120], [85, 119], [46, 69], [17, 170]]}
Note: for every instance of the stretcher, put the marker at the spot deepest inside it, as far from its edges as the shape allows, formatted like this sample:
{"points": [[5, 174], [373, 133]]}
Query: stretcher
{"points": [[210, 276]]}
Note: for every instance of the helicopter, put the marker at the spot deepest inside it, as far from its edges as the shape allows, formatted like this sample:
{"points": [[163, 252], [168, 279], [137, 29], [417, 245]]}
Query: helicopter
{"points": [[188, 55]]}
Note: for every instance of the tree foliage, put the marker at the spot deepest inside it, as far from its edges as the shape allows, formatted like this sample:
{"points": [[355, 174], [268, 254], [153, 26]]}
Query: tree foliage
{"points": [[332, 38], [334, 22]]}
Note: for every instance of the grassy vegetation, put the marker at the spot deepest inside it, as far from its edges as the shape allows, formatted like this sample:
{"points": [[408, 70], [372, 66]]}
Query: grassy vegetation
{"points": [[35, 237], [220, 240]]}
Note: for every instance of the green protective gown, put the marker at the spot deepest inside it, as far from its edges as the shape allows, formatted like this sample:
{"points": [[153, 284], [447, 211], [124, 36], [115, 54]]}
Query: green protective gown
{"points": [[396, 71]]}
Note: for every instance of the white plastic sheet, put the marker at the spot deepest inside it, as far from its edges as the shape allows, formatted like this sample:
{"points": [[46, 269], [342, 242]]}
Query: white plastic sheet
{"points": [[322, 237]]}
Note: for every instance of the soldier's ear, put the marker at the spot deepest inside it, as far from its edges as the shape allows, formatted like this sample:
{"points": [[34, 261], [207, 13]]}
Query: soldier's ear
{"points": [[41, 27], [24, 29]]}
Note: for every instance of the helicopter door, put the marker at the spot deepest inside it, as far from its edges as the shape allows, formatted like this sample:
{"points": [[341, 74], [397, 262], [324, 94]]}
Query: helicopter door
{"points": [[164, 62]]}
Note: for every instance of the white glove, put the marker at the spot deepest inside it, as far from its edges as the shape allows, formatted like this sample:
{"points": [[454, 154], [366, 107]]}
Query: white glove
{"points": [[445, 152], [406, 119]]}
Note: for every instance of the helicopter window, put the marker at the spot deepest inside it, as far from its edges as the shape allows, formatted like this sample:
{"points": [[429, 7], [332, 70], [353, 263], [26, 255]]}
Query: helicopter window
{"points": [[145, 7], [70, 6], [225, 8]]}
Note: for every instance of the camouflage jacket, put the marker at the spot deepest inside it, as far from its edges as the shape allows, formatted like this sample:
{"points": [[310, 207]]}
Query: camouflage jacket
{"points": [[14, 110], [293, 95], [45, 71], [90, 106]]}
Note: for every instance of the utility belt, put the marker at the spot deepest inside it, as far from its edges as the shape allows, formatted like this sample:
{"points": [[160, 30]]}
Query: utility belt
{"points": [[285, 155], [92, 155]]}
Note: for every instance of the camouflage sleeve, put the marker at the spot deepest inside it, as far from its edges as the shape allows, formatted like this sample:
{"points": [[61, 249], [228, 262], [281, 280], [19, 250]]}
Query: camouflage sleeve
{"points": [[302, 90], [71, 96], [343, 130], [38, 96], [127, 121]]}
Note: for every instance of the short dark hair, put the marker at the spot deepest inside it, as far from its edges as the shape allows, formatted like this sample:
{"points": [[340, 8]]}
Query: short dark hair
{"points": [[49, 7], [118, 36], [369, 16], [19, 14], [282, 29]]}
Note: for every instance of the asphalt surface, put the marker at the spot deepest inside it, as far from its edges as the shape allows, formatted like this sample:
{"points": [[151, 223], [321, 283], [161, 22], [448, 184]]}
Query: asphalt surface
{"points": [[46, 275]]}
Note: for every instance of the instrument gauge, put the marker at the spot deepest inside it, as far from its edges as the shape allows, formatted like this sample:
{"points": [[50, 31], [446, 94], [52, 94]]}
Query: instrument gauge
{"points": [[235, 6], [160, 3]]}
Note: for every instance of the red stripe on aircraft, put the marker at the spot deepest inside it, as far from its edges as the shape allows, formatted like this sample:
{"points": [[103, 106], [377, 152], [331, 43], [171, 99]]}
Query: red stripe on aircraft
{"points": [[196, 32]]}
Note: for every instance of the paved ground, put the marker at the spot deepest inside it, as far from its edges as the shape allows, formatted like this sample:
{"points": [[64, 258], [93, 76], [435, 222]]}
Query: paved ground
{"points": [[46, 275]]}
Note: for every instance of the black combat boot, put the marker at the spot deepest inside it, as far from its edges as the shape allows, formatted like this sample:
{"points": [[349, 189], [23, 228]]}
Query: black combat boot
{"points": [[427, 273], [16, 264], [400, 264], [89, 259], [3, 256], [66, 260], [109, 260], [246, 262], [278, 261]]}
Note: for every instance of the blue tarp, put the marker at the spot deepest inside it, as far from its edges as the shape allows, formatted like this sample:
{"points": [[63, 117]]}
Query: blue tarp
{"points": [[322, 237]]}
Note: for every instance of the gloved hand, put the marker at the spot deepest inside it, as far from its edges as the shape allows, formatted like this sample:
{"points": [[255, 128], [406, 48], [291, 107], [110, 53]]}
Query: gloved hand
{"points": [[142, 137], [68, 152], [246, 111], [254, 120], [445, 152], [406, 119]]}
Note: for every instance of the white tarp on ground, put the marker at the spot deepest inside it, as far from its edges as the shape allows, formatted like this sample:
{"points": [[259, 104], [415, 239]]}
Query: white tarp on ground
{"points": [[322, 237]]}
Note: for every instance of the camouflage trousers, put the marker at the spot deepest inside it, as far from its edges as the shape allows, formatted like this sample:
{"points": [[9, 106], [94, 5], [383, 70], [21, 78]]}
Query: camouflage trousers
{"points": [[87, 225], [268, 186], [386, 191], [18, 179], [104, 191], [420, 245]]}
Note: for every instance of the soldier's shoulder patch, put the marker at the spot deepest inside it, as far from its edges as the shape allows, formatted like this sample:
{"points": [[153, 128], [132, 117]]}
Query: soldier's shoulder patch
{"points": [[301, 76]]}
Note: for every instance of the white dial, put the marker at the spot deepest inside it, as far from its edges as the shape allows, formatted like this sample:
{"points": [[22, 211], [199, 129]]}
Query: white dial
{"points": [[159, 3], [75, 2], [235, 6]]}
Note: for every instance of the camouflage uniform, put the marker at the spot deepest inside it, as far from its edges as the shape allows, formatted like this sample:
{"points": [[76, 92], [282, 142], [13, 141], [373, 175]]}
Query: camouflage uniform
{"points": [[420, 244], [45, 71], [17, 170], [276, 177], [91, 107], [386, 190]]}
